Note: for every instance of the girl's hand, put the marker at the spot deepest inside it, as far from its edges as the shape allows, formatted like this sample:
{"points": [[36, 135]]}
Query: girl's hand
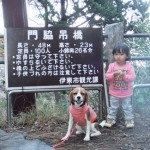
{"points": [[119, 73], [123, 74], [116, 74]]}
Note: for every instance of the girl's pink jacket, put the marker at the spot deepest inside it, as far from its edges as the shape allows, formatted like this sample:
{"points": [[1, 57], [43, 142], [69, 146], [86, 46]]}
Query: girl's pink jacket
{"points": [[121, 87]]}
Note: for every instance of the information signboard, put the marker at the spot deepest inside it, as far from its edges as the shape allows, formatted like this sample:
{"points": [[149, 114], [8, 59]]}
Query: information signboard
{"points": [[53, 57]]}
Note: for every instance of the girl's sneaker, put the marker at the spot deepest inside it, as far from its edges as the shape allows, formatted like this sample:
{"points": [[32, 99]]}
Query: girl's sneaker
{"points": [[110, 122], [129, 123]]}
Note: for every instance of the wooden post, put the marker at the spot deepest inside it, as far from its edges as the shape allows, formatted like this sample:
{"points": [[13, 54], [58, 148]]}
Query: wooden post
{"points": [[115, 36], [15, 15]]}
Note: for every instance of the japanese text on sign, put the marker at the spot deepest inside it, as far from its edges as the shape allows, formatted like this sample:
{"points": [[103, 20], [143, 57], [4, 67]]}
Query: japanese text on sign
{"points": [[57, 55]]}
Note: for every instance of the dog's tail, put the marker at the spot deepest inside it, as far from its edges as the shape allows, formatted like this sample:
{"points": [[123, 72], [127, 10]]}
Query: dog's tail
{"points": [[102, 124], [99, 126]]}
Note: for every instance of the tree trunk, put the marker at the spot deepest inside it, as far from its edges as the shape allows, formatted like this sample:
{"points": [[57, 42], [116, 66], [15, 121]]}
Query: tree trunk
{"points": [[15, 15]]}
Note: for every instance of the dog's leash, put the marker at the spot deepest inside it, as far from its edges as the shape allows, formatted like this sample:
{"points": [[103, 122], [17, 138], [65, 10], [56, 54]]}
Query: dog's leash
{"points": [[73, 129], [62, 142]]}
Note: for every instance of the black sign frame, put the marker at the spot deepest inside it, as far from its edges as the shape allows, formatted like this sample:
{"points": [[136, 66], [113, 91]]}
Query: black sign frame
{"points": [[76, 50]]}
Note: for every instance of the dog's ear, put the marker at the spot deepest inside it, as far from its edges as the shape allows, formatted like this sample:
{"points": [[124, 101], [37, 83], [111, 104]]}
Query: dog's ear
{"points": [[86, 95], [71, 97]]}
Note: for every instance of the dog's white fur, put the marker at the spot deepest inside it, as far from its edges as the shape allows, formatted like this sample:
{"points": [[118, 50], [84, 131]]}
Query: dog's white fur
{"points": [[78, 97]]}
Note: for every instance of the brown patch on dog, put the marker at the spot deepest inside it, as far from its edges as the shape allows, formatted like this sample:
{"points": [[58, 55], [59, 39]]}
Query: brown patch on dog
{"points": [[97, 126], [88, 115]]}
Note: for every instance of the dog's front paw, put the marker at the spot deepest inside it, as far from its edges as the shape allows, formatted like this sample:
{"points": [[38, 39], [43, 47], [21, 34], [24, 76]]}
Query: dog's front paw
{"points": [[64, 138], [79, 132], [96, 134], [87, 138]]}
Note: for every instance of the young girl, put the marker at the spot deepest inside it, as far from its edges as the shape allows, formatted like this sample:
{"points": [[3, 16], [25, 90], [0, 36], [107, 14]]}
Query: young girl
{"points": [[120, 75]]}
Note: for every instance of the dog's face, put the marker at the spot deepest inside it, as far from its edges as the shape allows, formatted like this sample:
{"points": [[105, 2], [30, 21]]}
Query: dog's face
{"points": [[78, 96]]}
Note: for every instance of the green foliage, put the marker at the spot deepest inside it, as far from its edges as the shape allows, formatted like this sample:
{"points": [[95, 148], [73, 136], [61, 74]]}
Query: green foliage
{"points": [[141, 96], [140, 47], [3, 121], [23, 119], [1, 43], [46, 110], [90, 12], [139, 15], [49, 108]]}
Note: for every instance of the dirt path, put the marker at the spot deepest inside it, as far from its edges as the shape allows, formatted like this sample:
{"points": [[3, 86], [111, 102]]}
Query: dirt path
{"points": [[116, 138]]}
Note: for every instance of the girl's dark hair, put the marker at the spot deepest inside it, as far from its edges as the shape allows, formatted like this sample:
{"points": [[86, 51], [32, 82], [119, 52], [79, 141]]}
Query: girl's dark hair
{"points": [[122, 48]]}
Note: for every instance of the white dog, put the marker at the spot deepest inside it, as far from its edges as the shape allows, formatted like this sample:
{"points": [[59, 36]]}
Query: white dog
{"points": [[82, 114]]}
